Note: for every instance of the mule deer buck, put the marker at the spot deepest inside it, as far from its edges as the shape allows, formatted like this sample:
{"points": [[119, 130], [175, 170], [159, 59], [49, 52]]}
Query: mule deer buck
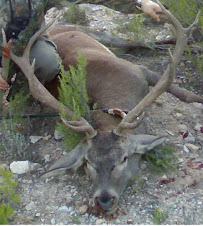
{"points": [[112, 146]]}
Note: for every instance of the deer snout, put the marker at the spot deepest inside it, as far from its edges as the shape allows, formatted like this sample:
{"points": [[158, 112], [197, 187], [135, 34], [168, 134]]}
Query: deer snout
{"points": [[106, 201]]}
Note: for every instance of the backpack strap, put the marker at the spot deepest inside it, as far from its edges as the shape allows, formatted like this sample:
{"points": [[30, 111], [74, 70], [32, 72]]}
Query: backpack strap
{"points": [[30, 7], [12, 12]]}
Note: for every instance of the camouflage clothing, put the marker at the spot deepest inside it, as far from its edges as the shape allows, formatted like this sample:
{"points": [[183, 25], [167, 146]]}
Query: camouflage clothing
{"points": [[17, 9], [28, 11]]}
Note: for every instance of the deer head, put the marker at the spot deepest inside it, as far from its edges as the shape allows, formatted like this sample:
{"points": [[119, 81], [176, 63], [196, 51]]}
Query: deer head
{"points": [[111, 161], [111, 149]]}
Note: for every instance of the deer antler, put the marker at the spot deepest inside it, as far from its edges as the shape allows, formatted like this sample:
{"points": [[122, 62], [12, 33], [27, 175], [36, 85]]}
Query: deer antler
{"points": [[39, 92], [168, 76]]}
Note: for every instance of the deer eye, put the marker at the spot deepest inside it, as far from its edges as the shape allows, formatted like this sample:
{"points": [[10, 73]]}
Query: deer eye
{"points": [[113, 167], [124, 159]]}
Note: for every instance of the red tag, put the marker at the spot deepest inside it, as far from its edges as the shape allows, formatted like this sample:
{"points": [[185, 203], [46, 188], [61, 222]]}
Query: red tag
{"points": [[6, 51]]}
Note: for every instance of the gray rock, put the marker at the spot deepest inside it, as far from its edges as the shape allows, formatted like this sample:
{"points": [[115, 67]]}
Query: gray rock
{"points": [[73, 213], [83, 209], [47, 158], [65, 222], [58, 135], [198, 105], [96, 8], [179, 115], [143, 166], [164, 177], [30, 206], [20, 167], [170, 133], [192, 147], [34, 139], [182, 128], [4, 166], [63, 209], [198, 127], [48, 137], [53, 221], [186, 149], [190, 138], [99, 221]]}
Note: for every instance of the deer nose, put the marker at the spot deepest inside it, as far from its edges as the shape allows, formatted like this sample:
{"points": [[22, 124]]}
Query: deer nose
{"points": [[105, 202]]}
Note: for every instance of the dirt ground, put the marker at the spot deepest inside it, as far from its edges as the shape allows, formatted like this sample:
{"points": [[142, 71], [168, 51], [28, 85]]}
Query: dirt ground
{"points": [[65, 199]]}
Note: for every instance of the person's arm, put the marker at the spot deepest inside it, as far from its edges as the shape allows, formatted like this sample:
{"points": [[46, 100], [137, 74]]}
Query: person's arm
{"points": [[150, 8]]}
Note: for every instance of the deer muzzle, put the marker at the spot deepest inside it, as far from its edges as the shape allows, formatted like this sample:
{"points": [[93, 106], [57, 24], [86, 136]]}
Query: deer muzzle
{"points": [[105, 201]]}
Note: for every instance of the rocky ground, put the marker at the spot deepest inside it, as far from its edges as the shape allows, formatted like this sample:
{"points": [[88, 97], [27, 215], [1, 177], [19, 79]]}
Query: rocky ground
{"points": [[65, 199]]}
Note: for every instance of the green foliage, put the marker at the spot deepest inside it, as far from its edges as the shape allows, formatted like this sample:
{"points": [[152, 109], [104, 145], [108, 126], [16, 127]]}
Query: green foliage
{"points": [[196, 59], [135, 28], [11, 141], [75, 220], [162, 158], [71, 138], [17, 105], [72, 91], [76, 15], [159, 216], [73, 94], [135, 185], [8, 196], [185, 10]]}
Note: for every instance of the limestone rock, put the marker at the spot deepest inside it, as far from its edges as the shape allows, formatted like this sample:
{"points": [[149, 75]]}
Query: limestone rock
{"points": [[34, 139], [20, 167], [83, 209]]}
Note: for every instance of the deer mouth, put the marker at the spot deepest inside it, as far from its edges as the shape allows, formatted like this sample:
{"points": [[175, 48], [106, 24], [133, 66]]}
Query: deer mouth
{"points": [[106, 211], [105, 203]]}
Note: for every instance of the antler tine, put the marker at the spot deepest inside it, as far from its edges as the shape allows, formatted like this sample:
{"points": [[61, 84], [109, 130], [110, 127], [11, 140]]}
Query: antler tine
{"points": [[181, 33], [165, 81], [80, 126], [4, 37], [39, 92], [195, 22], [168, 76]]}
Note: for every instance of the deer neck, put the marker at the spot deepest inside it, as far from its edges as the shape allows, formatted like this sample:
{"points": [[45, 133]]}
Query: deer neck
{"points": [[109, 122], [104, 122]]}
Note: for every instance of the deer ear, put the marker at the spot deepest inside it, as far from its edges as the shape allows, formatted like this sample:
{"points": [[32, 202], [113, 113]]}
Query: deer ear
{"points": [[144, 143], [73, 160]]}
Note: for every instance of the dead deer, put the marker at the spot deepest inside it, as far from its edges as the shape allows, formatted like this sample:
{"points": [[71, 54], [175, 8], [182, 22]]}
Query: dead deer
{"points": [[113, 146]]}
